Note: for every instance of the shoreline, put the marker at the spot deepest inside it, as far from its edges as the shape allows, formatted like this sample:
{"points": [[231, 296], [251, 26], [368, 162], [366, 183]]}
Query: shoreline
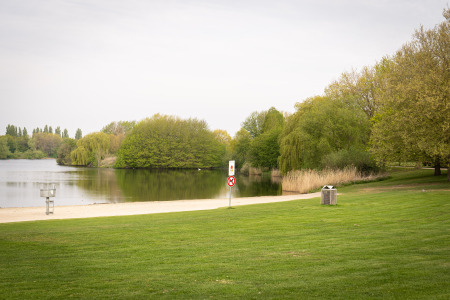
{"points": [[23, 214]]}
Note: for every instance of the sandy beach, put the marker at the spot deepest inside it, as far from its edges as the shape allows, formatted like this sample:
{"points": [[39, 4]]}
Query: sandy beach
{"points": [[21, 214]]}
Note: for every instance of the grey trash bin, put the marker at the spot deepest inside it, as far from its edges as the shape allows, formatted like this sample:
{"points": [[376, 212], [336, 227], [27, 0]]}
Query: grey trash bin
{"points": [[328, 195]]}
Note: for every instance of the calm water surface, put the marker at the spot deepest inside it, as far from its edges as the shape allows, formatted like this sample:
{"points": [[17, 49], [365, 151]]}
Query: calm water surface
{"points": [[21, 180]]}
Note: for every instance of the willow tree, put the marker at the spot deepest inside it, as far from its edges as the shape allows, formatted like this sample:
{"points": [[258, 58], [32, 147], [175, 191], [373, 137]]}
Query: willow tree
{"points": [[413, 120], [322, 126], [91, 149]]}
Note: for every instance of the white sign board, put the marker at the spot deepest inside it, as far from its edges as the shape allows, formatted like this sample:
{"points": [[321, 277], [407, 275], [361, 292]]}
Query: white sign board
{"points": [[231, 168]]}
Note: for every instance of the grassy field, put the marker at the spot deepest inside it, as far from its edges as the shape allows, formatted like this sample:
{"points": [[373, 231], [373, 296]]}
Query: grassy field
{"points": [[384, 240]]}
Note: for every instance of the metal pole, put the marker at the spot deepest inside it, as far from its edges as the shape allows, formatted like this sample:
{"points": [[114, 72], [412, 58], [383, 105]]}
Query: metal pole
{"points": [[47, 202], [229, 202]]}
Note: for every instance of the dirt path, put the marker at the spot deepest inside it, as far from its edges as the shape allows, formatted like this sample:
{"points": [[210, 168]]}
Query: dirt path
{"points": [[21, 214]]}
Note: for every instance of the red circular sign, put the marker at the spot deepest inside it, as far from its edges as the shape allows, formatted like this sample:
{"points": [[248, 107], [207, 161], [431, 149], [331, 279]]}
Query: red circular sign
{"points": [[231, 180]]}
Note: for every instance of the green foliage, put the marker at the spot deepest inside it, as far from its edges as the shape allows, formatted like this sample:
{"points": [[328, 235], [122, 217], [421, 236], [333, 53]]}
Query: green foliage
{"points": [[413, 120], [265, 149], [12, 143], [343, 158], [58, 131], [259, 147], [12, 130], [240, 146], [4, 148], [224, 139], [273, 120], [78, 134], [117, 132], [362, 86], [31, 154], [80, 157], [169, 142], [64, 151], [319, 127], [254, 123], [47, 143], [22, 143], [65, 133], [118, 128], [91, 149]]}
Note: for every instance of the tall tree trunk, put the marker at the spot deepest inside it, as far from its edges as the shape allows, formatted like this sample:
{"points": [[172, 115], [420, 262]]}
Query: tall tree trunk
{"points": [[448, 168], [437, 167], [448, 173]]}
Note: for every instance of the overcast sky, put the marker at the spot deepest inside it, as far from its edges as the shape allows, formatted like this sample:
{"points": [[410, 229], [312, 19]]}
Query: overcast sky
{"points": [[86, 63]]}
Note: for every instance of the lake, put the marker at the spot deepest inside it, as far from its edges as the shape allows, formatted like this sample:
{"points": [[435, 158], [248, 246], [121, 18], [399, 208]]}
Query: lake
{"points": [[21, 180]]}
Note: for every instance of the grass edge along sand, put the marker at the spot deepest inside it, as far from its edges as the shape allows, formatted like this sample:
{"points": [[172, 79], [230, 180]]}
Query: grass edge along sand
{"points": [[386, 239]]}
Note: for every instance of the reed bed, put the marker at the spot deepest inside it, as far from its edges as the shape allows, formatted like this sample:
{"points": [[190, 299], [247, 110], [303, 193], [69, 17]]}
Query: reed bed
{"points": [[304, 181], [276, 173]]}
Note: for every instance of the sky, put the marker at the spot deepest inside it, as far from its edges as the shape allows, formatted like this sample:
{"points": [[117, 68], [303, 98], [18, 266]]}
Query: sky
{"points": [[86, 63]]}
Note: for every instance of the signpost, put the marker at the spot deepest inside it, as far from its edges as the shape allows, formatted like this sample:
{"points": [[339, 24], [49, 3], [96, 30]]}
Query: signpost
{"points": [[231, 168], [231, 179]]}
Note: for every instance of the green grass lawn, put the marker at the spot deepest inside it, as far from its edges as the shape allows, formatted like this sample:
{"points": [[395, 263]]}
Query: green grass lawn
{"points": [[387, 239]]}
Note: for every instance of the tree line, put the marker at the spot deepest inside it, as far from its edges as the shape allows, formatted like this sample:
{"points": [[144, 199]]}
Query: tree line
{"points": [[43, 142], [394, 111]]}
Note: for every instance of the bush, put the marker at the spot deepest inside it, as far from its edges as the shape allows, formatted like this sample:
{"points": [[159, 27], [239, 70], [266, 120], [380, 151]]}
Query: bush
{"points": [[360, 159], [30, 154], [170, 142], [64, 151]]}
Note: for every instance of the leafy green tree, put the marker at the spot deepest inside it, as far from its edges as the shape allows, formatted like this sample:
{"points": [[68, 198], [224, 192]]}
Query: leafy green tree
{"points": [[25, 132], [80, 156], [11, 130], [12, 143], [265, 148], [47, 143], [46, 129], [78, 134], [362, 86], [58, 131], [91, 149], [65, 133], [319, 127], [413, 122], [119, 128], [4, 149], [115, 141], [22, 143], [240, 147], [64, 158], [224, 139], [170, 142], [117, 132], [254, 123]]}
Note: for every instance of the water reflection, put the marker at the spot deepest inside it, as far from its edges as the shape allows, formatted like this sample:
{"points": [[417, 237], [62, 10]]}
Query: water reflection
{"points": [[162, 185], [99, 184], [20, 181], [251, 186]]}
